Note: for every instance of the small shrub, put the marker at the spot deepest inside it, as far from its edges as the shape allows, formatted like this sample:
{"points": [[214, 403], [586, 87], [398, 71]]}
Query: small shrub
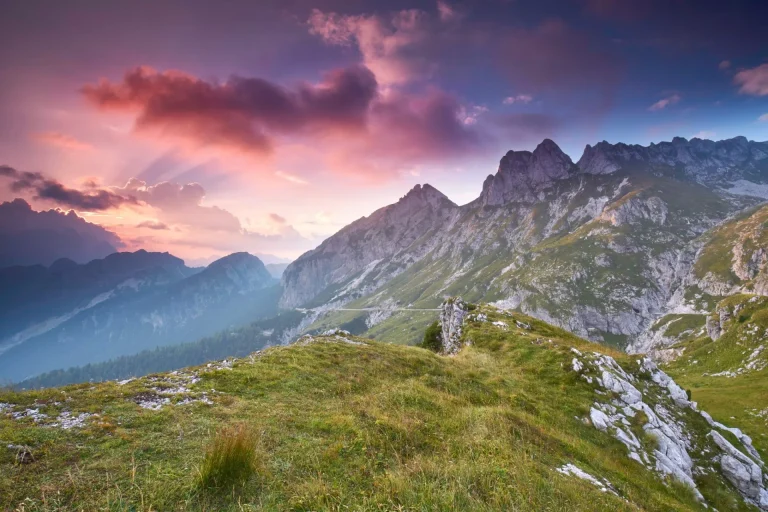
{"points": [[432, 338], [690, 395], [651, 440], [230, 459], [761, 318]]}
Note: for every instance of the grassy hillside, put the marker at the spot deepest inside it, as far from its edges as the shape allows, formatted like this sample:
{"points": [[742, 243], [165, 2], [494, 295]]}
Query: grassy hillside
{"points": [[728, 377], [343, 423], [732, 245], [234, 342]]}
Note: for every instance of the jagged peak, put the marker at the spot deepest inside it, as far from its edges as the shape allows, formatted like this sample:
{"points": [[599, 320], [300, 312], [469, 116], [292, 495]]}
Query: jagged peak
{"points": [[427, 194], [547, 145], [523, 174], [550, 152]]}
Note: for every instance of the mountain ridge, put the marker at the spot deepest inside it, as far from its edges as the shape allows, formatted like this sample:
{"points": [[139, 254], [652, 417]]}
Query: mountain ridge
{"points": [[643, 209], [121, 304]]}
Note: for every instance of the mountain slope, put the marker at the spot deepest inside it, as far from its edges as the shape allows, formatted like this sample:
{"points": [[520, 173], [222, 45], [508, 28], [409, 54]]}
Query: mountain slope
{"points": [[604, 247], [727, 371], [512, 421], [370, 250], [35, 299], [133, 311]]}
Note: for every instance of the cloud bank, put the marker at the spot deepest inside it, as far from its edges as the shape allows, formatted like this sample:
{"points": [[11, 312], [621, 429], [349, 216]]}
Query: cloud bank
{"points": [[43, 188]]}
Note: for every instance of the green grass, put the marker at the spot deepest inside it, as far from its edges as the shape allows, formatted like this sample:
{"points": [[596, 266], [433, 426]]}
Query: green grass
{"points": [[432, 339], [717, 255], [229, 460], [338, 426], [738, 399], [681, 327]]}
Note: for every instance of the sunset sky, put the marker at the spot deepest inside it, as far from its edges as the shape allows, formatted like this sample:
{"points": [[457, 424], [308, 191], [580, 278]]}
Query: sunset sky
{"points": [[204, 128]]}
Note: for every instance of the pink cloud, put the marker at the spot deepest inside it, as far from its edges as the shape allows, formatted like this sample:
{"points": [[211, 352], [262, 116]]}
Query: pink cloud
{"points": [[665, 102], [753, 81], [180, 204], [520, 98], [346, 119], [446, 11], [63, 141], [386, 44], [243, 113]]}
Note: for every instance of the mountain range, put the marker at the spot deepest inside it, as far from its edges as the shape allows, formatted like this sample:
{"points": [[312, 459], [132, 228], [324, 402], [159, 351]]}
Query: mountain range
{"points": [[621, 247], [73, 314], [604, 247]]}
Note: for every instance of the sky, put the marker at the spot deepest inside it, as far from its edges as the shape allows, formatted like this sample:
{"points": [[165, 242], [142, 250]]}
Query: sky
{"points": [[205, 128]]}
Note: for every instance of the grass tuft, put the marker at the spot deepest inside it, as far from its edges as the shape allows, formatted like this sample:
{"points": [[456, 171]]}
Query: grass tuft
{"points": [[230, 459]]}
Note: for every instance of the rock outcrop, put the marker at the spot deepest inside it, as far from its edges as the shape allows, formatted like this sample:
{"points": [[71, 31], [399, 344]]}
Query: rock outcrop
{"points": [[452, 316], [654, 398]]}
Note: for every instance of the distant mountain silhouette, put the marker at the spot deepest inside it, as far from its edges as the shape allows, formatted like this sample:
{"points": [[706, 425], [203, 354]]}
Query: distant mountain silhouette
{"points": [[28, 237]]}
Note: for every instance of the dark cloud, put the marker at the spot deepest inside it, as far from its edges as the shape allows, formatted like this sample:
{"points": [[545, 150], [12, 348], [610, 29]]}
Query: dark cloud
{"points": [[422, 127], [29, 237], [92, 199], [345, 113], [243, 113]]}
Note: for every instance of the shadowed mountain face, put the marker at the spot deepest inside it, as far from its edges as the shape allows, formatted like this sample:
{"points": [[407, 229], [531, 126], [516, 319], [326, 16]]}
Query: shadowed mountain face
{"points": [[28, 237], [70, 314], [604, 247]]}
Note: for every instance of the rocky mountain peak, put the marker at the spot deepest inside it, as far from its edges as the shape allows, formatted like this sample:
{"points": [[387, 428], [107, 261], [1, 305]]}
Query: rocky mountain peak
{"points": [[714, 163], [523, 174], [548, 162], [425, 195], [238, 261], [602, 158]]}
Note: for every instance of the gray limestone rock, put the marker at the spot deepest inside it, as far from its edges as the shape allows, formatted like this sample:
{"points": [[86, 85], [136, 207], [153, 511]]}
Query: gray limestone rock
{"points": [[452, 316]]}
